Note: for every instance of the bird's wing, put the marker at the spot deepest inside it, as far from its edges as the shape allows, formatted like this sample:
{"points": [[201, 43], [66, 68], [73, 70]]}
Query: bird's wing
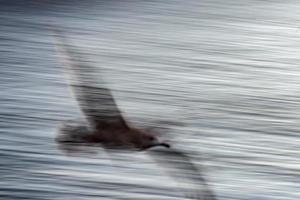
{"points": [[94, 98], [180, 168]]}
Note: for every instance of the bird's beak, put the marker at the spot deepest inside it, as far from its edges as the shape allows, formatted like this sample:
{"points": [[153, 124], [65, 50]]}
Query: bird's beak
{"points": [[166, 145], [163, 144]]}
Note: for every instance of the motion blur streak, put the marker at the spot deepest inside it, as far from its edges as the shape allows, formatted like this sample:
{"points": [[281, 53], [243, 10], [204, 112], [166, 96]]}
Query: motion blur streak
{"points": [[227, 70]]}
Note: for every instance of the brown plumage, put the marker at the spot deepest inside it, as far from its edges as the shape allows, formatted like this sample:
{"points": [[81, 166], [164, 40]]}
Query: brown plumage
{"points": [[106, 125]]}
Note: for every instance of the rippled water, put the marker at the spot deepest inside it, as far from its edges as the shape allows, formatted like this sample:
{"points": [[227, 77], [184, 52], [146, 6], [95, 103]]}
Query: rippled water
{"points": [[227, 70]]}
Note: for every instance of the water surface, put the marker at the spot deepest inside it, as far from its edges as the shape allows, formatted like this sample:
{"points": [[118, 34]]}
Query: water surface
{"points": [[227, 70]]}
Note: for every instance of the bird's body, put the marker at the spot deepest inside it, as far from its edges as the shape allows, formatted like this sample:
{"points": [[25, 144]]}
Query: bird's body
{"points": [[109, 137]]}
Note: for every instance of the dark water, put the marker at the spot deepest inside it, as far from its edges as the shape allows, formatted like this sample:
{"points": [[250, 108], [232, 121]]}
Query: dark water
{"points": [[227, 70]]}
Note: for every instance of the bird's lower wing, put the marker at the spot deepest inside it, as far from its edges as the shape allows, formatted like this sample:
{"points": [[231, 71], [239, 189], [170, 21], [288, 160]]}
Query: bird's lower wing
{"points": [[180, 168]]}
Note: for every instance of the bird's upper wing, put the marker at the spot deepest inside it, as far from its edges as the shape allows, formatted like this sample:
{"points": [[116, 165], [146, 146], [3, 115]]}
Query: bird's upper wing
{"points": [[180, 168], [94, 98]]}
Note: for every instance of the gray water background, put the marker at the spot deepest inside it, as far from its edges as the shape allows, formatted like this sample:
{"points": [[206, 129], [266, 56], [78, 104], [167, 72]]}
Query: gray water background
{"points": [[227, 69]]}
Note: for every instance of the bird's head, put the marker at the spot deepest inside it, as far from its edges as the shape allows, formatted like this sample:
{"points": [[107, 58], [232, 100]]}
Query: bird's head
{"points": [[149, 141]]}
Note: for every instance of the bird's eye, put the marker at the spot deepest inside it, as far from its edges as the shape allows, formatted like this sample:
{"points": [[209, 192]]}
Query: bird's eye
{"points": [[151, 138]]}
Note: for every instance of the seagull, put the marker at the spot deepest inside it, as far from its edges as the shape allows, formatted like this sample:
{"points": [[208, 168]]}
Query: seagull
{"points": [[106, 126]]}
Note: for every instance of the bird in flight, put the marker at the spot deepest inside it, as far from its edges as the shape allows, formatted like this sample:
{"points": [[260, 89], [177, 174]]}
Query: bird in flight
{"points": [[107, 127]]}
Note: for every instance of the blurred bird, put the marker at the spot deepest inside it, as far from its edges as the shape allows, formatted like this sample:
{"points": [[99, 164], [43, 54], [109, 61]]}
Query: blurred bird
{"points": [[106, 125]]}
